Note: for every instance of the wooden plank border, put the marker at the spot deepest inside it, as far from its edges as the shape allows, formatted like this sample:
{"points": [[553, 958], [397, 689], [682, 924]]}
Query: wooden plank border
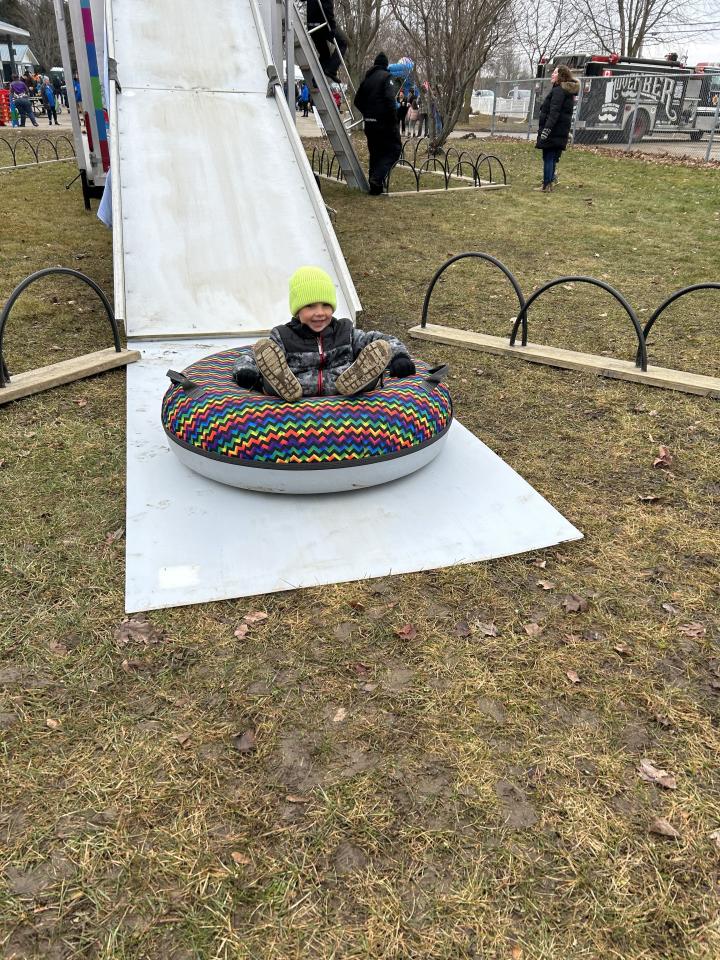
{"points": [[573, 360], [66, 371]]}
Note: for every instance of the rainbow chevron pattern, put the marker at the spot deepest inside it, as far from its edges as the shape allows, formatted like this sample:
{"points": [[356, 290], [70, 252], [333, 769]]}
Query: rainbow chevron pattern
{"points": [[225, 422]]}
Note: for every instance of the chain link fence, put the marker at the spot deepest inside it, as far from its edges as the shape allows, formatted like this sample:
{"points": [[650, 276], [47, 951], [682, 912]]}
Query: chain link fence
{"points": [[677, 116]]}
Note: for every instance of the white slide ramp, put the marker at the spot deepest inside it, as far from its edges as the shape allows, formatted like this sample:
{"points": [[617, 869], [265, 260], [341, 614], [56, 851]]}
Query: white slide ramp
{"points": [[215, 203]]}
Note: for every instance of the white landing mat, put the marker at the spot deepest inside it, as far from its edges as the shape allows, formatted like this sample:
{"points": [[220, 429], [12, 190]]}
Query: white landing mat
{"points": [[190, 540]]}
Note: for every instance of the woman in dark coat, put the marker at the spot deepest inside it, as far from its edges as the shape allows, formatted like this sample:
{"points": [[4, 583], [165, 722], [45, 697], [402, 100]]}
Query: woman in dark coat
{"points": [[555, 121]]}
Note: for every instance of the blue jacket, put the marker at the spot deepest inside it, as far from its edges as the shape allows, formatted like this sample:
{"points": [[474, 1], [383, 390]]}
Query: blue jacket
{"points": [[78, 92], [48, 95]]}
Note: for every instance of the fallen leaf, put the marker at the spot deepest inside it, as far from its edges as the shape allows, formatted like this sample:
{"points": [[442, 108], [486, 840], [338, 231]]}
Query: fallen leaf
{"points": [[486, 629], [293, 798], [664, 458], [649, 498], [694, 630], [52, 724], [662, 720], [540, 563], [592, 635], [715, 836], [244, 742], [653, 774], [462, 629], [138, 630], [532, 629], [58, 648], [80, 402], [663, 828], [516, 953], [572, 676], [369, 687], [256, 616], [114, 536], [622, 648], [407, 632], [183, 739], [135, 663], [241, 631], [669, 608], [361, 669], [240, 858], [575, 604], [339, 715], [546, 585], [357, 605]]}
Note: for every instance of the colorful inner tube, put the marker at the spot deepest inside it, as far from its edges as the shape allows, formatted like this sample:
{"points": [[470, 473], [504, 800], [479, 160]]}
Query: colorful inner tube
{"points": [[315, 445]]}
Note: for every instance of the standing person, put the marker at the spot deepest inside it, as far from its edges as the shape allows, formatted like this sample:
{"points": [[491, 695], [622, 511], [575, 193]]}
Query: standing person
{"points": [[413, 117], [402, 110], [305, 99], [48, 97], [78, 95], [21, 98], [375, 99], [555, 121]]}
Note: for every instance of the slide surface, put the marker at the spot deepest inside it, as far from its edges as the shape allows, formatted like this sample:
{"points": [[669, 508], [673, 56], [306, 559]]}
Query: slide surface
{"points": [[217, 200]]}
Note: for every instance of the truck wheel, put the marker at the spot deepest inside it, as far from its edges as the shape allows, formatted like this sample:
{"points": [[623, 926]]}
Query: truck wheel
{"points": [[639, 130]]}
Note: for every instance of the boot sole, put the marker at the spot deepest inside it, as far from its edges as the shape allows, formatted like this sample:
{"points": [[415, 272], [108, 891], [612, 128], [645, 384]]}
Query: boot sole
{"points": [[272, 364], [368, 368]]}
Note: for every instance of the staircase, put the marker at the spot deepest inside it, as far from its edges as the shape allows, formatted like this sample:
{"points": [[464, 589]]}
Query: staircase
{"points": [[307, 60]]}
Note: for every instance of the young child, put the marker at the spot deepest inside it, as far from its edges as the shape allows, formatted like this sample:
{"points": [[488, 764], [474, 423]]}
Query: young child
{"points": [[315, 354]]}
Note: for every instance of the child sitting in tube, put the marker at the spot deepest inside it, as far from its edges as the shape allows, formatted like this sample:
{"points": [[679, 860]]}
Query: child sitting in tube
{"points": [[315, 354]]}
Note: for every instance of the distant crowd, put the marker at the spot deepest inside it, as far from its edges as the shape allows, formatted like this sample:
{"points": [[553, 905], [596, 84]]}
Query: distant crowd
{"points": [[33, 94]]}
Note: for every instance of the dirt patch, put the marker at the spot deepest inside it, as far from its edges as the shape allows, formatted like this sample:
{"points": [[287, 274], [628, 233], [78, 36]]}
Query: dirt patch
{"points": [[349, 859], [493, 709], [517, 811], [38, 881]]}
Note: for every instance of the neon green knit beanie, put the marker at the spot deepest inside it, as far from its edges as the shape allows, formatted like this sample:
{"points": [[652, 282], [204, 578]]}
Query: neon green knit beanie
{"points": [[311, 285]]}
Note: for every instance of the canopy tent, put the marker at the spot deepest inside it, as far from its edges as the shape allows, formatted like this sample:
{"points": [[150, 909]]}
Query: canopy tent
{"points": [[14, 63]]}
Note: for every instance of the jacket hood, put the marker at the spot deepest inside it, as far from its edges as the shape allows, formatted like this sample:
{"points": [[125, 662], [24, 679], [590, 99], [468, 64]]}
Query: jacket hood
{"points": [[571, 86], [375, 69]]}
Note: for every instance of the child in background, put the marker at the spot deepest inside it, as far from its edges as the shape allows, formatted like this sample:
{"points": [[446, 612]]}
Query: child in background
{"points": [[315, 354]]}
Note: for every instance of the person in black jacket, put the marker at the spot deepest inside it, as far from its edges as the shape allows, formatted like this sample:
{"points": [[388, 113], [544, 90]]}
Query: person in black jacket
{"points": [[555, 121], [330, 42], [375, 99]]}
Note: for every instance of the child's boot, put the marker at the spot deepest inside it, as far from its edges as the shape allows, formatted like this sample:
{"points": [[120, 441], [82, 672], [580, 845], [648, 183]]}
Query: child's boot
{"points": [[370, 365], [272, 364]]}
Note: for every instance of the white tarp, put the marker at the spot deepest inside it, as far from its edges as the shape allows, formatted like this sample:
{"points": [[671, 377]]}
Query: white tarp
{"points": [[190, 540]]}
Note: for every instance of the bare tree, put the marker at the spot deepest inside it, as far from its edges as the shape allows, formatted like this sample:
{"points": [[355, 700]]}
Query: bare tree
{"points": [[38, 17], [543, 29], [360, 19], [452, 40], [624, 26]]}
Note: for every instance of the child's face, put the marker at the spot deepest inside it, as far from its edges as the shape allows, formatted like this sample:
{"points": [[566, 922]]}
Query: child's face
{"points": [[316, 316]]}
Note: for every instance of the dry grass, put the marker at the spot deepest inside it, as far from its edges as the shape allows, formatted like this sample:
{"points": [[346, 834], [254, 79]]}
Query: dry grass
{"points": [[472, 801]]}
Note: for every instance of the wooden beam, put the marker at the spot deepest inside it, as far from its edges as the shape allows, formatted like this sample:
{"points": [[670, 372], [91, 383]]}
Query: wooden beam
{"points": [[484, 185], [573, 360], [66, 371]]}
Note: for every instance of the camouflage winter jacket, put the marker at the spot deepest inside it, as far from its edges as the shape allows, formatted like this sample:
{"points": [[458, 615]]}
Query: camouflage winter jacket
{"points": [[317, 360]]}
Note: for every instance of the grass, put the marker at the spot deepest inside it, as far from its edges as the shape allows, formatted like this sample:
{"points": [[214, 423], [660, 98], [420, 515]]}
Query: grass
{"points": [[472, 801]]}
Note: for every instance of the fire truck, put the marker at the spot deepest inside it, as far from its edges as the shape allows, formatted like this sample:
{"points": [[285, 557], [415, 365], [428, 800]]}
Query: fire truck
{"points": [[707, 110], [620, 96]]}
